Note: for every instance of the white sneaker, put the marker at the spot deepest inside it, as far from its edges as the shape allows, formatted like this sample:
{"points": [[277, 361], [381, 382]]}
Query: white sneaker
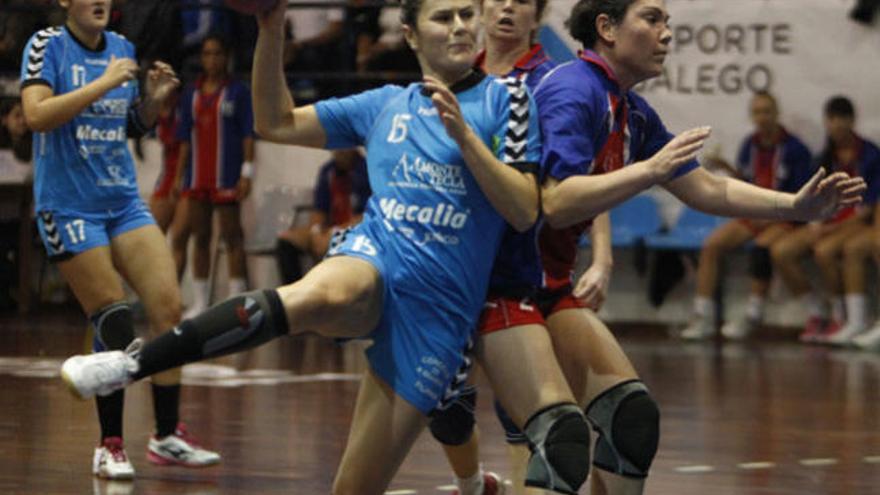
{"points": [[700, 328], [180, 449], [739, 329], [101, 373], [869, 340], [846, 334], [110, 461]]}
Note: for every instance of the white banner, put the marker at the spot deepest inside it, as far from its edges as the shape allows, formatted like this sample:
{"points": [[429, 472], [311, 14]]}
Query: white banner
{"points": [[802, 51]]}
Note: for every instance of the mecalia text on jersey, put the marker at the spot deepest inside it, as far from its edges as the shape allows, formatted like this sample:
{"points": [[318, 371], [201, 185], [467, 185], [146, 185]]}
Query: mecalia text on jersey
{"points": [[86, 132], [441, 215]]}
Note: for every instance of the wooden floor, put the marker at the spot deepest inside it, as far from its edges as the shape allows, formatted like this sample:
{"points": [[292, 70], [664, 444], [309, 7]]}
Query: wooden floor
{"points": [[758, 418]]}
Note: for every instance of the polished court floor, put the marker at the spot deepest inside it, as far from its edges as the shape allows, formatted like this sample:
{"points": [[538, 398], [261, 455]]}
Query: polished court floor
{"points": [[765, 417]]}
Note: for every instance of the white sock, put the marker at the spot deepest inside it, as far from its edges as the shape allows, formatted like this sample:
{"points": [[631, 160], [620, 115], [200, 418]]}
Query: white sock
{"points": [[755, 307], [813, 305], [237, 286], [838, 311], [704, 307], [200, 293], [471, 486], [856, 310]]}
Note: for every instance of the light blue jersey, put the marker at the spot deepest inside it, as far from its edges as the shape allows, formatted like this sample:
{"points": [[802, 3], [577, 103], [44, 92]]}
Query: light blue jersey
{"points": [[428, 228], [84, 164]]}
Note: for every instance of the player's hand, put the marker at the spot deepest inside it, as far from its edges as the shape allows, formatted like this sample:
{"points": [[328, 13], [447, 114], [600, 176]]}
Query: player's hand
{"points": [[273, 18], [592, 287], [161, 81], [822, 196], [448, 110], [677, 152], [242, 189], [120, 70]]}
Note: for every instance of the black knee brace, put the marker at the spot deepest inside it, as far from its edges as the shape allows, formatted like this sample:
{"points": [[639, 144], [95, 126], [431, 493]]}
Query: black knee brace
{"points": [[628, 423], [512, 433], [114, 327], [454, 423], [559, 439], [760, 263]]}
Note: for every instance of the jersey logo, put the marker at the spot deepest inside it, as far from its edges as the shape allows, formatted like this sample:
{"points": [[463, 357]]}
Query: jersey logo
{"points": [[37, 54], [516, 139], [399, 128], [78, 75]]}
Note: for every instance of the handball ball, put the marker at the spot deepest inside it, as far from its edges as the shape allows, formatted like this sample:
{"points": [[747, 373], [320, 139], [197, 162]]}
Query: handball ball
{"points": [[250, 7]]}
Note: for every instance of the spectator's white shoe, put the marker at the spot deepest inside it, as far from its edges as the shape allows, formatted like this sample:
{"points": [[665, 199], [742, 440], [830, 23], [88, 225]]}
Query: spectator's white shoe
{"points": [[846, 334], [101, 373], [739, 329], [870, 340], [700, 328], [110, 461], [180, 449]]}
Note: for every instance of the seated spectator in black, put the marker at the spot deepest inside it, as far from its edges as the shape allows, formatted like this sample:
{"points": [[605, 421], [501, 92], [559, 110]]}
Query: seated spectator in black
{"points": [[341, 194], [155, 28], [14, 133], [15, 157]]}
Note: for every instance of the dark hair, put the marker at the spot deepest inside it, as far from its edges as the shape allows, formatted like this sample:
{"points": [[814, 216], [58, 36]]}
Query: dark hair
{"points": [[581, 23], [836, 106], [22, 148], [840, 106], [221, 40], [409, 12]]}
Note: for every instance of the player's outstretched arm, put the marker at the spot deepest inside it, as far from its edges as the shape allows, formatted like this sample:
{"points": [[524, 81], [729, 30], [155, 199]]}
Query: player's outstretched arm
{"points": [[581, 197], [276, 117], [44, 110], [819, 198]]}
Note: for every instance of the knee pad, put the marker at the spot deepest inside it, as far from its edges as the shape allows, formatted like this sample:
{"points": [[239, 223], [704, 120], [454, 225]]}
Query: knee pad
{"points": [[760, 263], [454, 423], [114, 327], [512, 433], [559, 439], [627, 421]]}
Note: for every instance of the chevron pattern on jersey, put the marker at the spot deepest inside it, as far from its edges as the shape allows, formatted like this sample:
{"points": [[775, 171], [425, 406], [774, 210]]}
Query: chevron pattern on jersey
{"points": [[36, 55], [53, 237], [516, 140], [459, 381]]}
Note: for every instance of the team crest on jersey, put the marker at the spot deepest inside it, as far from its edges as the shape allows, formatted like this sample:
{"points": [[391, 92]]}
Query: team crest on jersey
{"points": [[418, 173]]}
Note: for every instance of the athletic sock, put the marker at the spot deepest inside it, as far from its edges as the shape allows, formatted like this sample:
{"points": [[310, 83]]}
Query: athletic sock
{"points": [[166, 406], [812, 303], [200, 293], [110, 414], [838, 312], [471, 486], [704, 307], [237, 286], [755, 307], [856, 310]]}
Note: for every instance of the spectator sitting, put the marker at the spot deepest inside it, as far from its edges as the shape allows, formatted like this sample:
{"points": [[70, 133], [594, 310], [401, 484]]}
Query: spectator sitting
{"points": [[314, 36], [17, 139], [341, 194]]}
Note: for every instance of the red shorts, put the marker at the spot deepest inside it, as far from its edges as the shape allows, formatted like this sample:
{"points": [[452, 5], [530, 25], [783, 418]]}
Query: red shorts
{"points": [[500, 312], [214, 196]]}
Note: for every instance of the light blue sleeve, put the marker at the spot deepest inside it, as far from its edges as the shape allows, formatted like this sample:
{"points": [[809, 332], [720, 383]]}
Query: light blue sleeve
{"points": [[348, 121], [40, 64]]}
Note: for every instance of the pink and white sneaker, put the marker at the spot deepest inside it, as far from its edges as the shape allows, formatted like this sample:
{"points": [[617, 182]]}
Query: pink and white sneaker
{"points": [[111, 462], [492, 484], [812, 330], [180, 449]]}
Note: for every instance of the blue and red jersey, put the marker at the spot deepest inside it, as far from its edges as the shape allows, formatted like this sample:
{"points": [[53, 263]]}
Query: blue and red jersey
{"points": [[865, 164], [589, 127], [215, 124], [341, 195], [786, 165]]}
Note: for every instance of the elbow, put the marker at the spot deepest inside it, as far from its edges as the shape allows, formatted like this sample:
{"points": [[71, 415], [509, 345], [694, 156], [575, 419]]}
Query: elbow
{"points": [[526, 220], [36, 124], [554, 214]]}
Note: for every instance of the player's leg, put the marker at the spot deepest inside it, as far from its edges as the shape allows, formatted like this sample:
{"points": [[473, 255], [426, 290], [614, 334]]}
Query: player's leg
{"points": [[383, 423], [870, 340], [179, 235], [529, 383], [761, 271], [79, 245], [162, 208], [199, 210], [786, 254], [857, 250], [827, 252], [229, 216], [292, 246], [723, 239], [620, 409], [152, 275]]}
